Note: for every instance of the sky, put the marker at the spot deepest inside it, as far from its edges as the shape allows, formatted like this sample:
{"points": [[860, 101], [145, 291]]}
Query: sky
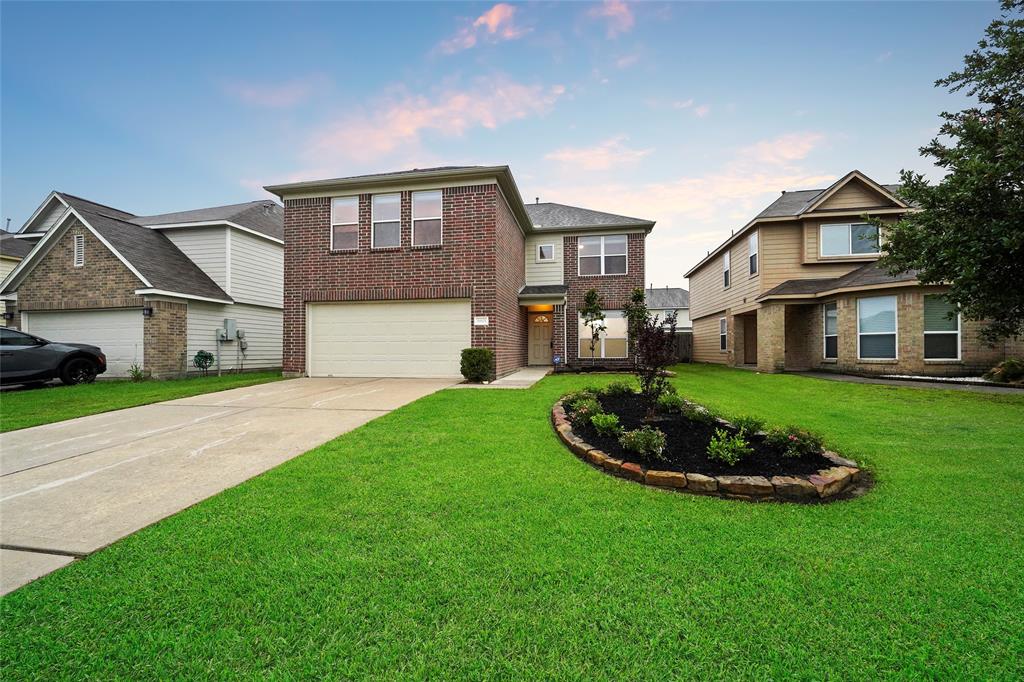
{"points": [[690, 114]]}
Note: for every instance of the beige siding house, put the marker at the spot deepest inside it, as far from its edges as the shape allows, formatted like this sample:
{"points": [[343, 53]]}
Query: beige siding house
{"points": [[798, 288]]}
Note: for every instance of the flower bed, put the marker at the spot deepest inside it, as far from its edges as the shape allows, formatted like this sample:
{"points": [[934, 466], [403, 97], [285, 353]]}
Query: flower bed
{"points": [[683, 447]]}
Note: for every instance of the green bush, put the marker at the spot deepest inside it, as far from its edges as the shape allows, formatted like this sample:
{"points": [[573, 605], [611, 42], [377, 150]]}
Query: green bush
{"points": [[728, 448], [701, 415], [582, 410], [137, 374], [644, 441], [570, 399], [794, 442], [618, 389], [606, 424], [748, 425], [1007, 372], [477, 364], [671, 403]]}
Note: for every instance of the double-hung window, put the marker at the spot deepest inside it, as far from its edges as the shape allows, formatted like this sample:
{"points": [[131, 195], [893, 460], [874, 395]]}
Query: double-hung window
{"points": [[876, 328], [846, 239], [752, 243], [344, 223], [426, 218], [723, 334], [387, 225], [79, 257], [941, 329], [603, 255], [726, 264], [831, 316], [613, 341]]}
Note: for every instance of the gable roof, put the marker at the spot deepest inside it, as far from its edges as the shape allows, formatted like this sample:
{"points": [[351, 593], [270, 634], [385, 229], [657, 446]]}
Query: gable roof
{"points": [[552, 216], [264, 216], [867, 275], [12, 247], [667, 298]]}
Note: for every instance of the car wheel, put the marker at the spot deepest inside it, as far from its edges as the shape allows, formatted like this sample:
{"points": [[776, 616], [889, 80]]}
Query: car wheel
{"points": [[78, 371]]}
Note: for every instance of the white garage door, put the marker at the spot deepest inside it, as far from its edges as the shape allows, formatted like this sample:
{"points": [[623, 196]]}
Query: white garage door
{"points": [[117, 332], [393, 339]]}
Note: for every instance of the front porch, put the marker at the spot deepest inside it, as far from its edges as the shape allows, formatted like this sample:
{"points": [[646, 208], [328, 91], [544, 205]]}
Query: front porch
{"points": [[777, 337]]}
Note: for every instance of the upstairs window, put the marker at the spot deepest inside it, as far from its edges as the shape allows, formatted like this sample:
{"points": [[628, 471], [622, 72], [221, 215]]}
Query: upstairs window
{"points": [[856, 239], [831, 315], [387, 225], [344, 224], [752, 244], [726, 264], [426, 218], [941, 329], [876, 328], [545, 253], [602, 255], [79, 258]]}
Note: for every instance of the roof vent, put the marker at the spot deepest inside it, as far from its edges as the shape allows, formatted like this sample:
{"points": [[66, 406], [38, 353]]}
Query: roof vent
{"points": [[536, 200]]}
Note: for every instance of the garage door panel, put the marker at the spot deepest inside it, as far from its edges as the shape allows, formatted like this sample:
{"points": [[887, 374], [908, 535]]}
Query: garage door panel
{"points": [[392, 339], [117, 332]]}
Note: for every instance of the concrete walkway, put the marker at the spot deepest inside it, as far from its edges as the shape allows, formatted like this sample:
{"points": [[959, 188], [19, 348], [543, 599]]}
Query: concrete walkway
{"points": [[522, 378], [70, 488], [911, 383]]}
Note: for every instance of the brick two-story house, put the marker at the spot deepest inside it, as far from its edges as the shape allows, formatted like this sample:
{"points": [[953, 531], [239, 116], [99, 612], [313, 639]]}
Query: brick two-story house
{"points": [[798, 288], [394, 274]]}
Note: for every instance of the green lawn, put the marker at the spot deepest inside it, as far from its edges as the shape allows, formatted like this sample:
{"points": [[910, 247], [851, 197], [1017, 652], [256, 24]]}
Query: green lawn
{"points": [[32, 407], [456, 538]]}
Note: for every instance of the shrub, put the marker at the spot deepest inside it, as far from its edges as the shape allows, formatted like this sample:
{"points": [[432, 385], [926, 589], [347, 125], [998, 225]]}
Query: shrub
{"points": [[1007, 372], [582, 410], [671, 403], [644, 441], [701, 415], [570, 399], [136, 373], [203, 360], [728, 448], [748, 425], [477, 364], [606, 424], [654, 351], [794, 442], [617, 389]]}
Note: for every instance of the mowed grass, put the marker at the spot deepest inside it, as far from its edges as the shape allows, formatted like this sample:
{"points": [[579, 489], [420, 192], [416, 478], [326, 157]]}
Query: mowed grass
{"points": [[20, 409], [456, 538]]}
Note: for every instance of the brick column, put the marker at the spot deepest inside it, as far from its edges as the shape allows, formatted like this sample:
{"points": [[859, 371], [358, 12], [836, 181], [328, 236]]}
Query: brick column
{"points": [[771, 337], [164, 337]]}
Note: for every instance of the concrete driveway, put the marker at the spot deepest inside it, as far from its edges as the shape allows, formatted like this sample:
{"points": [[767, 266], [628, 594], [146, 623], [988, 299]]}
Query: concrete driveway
{"points": [[70, 488]]}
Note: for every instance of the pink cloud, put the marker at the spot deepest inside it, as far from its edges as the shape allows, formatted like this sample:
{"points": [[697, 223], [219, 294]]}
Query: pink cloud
{"points": [[784, 149], [627, 61], [495, 25], [396, 122], [611, 153], [276, 95], [617, 15], [702, 111]]}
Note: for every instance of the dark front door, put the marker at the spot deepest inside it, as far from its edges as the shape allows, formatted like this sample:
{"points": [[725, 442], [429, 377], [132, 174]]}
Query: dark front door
{"points": [[750, 340]]}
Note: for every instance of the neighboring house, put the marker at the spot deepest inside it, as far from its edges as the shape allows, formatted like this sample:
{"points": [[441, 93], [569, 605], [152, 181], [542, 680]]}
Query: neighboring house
{"points": [[798, 288], [153, 290], [12, 251], [394, 274], [666, 300]]}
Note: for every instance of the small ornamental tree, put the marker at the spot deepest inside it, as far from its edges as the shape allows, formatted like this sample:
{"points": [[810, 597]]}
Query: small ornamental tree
{"points": [[636, 313], [202, 361], [593, 318], [655, 348]]}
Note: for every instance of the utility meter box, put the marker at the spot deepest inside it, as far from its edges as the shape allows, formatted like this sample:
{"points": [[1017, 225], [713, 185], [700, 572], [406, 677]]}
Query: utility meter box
{"points": [[230, 329], [240, 333]]}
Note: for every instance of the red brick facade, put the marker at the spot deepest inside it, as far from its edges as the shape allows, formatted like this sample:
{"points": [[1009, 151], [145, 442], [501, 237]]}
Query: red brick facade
{"points": [[481, 259]]}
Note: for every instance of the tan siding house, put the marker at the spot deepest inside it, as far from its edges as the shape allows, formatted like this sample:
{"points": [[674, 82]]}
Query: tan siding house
{"points": [[810, 295]]}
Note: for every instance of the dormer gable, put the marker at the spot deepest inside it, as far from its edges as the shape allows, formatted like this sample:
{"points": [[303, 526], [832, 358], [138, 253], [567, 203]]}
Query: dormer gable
{"points": [[854, 191]]}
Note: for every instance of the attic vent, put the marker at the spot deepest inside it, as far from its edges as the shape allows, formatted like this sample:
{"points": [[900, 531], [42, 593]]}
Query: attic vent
{"points": [[79, 250]]}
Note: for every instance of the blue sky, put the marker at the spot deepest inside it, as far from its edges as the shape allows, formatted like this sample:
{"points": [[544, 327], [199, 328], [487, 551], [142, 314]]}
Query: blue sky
{"points": [[694, 115]]}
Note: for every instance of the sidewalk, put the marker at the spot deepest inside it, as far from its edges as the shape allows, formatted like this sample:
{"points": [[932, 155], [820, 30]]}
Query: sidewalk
{"points": [[911, 383], [523, 378]]}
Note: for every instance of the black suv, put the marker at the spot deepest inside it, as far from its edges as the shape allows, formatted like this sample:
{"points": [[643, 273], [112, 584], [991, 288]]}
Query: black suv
{"points": [[27, 359]]}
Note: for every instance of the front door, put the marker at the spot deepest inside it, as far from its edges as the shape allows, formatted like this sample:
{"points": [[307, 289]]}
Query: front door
{"points": [[540, 339], [750, 340]]}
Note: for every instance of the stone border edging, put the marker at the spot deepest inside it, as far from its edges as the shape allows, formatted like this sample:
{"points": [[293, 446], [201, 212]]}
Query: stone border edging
{"points": [[825, 485]]}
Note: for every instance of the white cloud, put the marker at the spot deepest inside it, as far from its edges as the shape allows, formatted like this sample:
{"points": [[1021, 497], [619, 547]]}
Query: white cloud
{"points": [[616, 14], [627, 61], [495, 25], [702, 111], [605, 155], [884, 57]]}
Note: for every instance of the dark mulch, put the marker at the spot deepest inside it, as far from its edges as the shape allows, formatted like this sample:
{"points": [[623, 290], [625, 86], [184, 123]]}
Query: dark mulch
{"points": [[686, 444]]}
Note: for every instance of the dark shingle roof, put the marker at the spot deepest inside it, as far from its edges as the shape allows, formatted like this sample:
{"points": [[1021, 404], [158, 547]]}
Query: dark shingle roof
{"points": [[795, 202], [551, 216], [14, 248], [667, 298], [149, 251], [543, 290], [265, 217], [866, 275]]}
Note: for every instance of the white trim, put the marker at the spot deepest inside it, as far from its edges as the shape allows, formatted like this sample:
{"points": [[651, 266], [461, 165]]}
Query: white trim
{"points": [[824, 330], [212, 223], [849, 241], [227, 262], [52, 195], [895, 333], [176, 294], [754, 240], [30, 235], [723, 334], [440, 217], [959, 334], [78, 255], [333, 224], [602, 255], [727, 269], [843, 182], [537, 257], [373, 220]]}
